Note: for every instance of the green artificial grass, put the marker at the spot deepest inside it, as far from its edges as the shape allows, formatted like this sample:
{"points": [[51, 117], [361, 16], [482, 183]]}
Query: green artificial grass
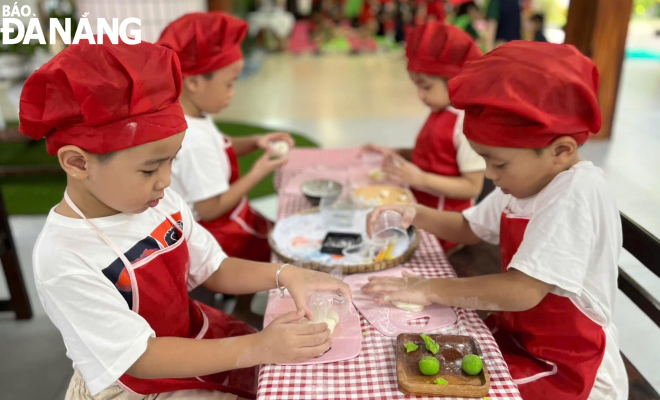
{"points": [[38, 194]]}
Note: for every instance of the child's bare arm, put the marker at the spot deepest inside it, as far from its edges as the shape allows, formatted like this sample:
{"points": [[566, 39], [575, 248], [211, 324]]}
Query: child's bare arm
{"points": [[466, 186], [512, 291], [249, 144], [237, 276], [218, 206], [173, 357], [215, 207], [283, 341], [244, 145], [447, 225]]}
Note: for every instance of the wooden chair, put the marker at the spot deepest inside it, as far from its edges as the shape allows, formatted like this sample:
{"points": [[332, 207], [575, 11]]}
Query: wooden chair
{"points": [[646, 249]]}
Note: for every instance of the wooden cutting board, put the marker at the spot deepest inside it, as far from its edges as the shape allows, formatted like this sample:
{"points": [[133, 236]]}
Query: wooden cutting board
{"points": [[452, 350]]}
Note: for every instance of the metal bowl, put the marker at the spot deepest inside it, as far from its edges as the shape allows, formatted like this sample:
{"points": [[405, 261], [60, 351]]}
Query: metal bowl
{"points": [[317, 189]]}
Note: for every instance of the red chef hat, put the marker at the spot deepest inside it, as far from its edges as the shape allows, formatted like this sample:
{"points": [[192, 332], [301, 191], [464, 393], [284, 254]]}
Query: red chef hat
{"points": [[104, 97], [438, 49], [526, 94], [205, 42]]}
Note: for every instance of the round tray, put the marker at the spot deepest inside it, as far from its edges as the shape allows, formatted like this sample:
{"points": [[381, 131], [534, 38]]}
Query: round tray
{"points": [[348, 269]]}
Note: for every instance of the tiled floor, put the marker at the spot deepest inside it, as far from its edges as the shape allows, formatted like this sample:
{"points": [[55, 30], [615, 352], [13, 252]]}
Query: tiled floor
{"points": [[347, 101]]}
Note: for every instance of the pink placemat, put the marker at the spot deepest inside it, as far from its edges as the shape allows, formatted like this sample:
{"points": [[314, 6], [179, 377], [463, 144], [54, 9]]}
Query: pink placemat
{"points": [[346, 338], [372, 374], [390, 320], [351, 171]]}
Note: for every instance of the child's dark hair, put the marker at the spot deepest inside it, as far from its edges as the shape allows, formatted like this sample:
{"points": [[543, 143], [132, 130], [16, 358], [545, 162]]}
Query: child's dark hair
{"points": [[538, 17], [208, 76]]}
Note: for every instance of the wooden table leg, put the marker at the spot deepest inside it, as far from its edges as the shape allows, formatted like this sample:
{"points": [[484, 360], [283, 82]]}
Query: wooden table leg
{"points": [[19, 302]]}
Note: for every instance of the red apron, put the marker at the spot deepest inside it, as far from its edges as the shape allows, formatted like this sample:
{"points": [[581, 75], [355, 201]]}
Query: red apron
{"points": [[553, 350], [159, 286], [242, 232], [435, 152]]}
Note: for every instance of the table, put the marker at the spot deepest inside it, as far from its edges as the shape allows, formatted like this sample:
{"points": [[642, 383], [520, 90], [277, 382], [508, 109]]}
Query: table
{"points": [[372, 375]]}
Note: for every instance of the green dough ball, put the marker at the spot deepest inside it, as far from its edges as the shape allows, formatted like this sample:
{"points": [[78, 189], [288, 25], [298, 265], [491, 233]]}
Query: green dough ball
{"points": [[429, 365], [472, 364], [410, 347], [441, 382], [431, 344]]}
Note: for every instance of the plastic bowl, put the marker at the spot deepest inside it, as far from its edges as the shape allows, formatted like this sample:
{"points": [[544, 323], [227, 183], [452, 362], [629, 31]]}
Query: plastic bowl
{"points": [[317, 189]]}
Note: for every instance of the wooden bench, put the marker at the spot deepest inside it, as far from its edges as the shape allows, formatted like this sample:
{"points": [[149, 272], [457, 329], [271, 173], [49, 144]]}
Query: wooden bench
{"points": [[484, 258]]}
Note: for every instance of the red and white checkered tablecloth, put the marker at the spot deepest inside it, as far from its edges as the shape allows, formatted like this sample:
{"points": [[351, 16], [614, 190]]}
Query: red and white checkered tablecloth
{"points": [[372, 375]]}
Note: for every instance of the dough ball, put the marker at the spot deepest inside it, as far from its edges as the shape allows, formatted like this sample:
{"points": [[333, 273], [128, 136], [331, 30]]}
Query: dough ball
{"points": [[332, 320], [280, 148], [377, 175], [408, 306]]}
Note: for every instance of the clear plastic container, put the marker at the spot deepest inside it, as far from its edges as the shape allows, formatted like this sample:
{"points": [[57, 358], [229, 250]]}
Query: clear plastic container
{"points": [[338, 211], [371, 250], [388, 224], [358, 254], [389, 228], [330, 305]]}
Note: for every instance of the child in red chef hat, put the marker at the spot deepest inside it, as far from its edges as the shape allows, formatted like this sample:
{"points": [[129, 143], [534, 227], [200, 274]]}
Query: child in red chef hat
{"points": [[205, 172], [115, 260], [442, 169], [528, 107]]}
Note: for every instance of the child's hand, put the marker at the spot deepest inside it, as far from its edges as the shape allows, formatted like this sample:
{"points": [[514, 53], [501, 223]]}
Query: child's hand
{"points": [[409, 289], [399, 169], [301, 283], [408, 213], [263, 140], [286, 341], [266, 164], [372, 148]]}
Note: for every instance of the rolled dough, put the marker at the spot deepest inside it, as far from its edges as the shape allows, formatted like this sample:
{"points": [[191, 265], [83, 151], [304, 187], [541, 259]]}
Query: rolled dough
{"points": [[332, 320], [408, 306]]}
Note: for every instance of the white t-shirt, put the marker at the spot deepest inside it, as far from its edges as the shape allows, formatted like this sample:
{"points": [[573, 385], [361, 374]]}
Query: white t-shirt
{"points": [[201, 169], [467, 159], [572, 241], [102, 335]]}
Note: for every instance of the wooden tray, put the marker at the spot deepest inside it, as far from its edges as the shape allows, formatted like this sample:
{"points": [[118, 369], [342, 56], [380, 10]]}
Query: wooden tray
{"points": [[452, 350], [348, 269]]}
